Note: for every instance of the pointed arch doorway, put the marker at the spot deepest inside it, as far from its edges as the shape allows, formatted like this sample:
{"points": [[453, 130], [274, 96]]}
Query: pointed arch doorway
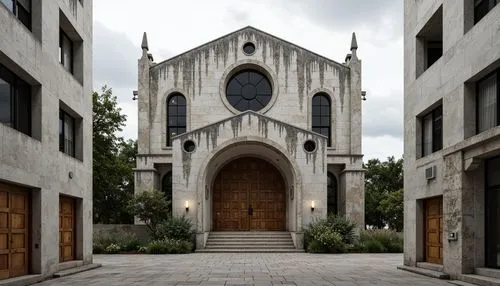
{"points": [[249, 195]]}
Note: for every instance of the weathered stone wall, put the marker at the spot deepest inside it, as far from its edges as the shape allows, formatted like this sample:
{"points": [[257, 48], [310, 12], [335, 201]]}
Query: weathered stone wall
{"points": [[279, 129], [469, 53], [36, 162]]}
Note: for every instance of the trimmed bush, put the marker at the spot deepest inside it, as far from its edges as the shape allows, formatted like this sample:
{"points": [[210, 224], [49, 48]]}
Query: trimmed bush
{"points": [[176, 227], [169, 246], [380, 240]]}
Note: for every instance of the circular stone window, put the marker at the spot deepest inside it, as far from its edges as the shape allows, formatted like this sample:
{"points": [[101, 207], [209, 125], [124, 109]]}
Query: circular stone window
{"points": [[189, 146], [249, 49], [249, 90], [310, 146]]}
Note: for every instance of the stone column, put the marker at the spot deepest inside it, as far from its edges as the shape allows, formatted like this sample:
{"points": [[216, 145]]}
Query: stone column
{"points": [[352, 196], [458, 216], [145, 179]]}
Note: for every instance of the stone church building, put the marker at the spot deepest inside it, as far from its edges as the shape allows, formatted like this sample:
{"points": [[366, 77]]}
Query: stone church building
{"points": [[252, 133]]}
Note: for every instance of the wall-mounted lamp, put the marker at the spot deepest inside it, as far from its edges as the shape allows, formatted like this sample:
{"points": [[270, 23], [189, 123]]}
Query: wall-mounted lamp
{"points": [[312, 206], [186, 205], [363, 95], [135, 93]]}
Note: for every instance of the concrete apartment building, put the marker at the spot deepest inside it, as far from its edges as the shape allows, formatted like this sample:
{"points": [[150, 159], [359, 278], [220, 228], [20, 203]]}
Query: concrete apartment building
{"points": [[45, 136], [252, 133], [452, 137]]}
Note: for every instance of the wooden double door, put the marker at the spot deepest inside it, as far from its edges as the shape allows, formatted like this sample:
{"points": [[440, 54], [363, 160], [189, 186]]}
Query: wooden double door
{"points": [[249, 195], [434, 230], [14, 231]]}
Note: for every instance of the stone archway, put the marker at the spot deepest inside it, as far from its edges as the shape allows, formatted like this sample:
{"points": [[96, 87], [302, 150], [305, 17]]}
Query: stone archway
{"points": [[249, 195]]}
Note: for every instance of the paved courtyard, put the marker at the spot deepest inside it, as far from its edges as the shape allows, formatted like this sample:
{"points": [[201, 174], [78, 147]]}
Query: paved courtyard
{"points": [[247, 269]]}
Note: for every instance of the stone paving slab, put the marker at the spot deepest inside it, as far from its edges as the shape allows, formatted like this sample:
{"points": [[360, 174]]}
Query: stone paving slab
{"points": [[248, 269]]}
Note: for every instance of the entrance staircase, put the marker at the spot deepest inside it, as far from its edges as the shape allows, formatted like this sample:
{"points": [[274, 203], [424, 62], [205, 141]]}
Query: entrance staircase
{"points": [[250, 241]]}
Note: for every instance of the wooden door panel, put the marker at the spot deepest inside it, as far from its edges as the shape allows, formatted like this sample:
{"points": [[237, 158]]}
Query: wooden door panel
{"points": [[66, 229], [434, 230], [251, 183], [14, 231]]}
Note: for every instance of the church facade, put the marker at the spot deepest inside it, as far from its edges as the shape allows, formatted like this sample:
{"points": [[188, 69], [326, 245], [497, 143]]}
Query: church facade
{"points": [[252, 133]]}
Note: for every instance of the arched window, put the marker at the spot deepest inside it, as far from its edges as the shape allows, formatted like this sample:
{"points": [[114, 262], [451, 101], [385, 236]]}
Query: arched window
{"points": [[176, 116], [321, 115], [166, 187], [331, 199]]}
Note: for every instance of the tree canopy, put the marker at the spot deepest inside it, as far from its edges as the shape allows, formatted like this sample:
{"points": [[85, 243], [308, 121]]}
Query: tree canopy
{"points": [[113, 161], [384, 193]]}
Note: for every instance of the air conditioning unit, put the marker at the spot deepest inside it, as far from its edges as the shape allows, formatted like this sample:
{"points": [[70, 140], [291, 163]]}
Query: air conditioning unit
{"points": [[430, 173]]}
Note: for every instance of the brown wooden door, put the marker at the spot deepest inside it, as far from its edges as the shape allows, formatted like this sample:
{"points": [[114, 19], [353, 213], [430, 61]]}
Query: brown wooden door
{"points": [[14, 231], [434, 230], [66, 229], [249, 194]]}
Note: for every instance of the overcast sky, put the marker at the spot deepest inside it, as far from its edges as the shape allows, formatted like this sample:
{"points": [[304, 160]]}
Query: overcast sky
{"points": [[322, 26]]}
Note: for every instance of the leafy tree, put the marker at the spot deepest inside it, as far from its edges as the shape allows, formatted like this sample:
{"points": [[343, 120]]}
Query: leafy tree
{"points": [[383, 193], [393, 208], [151, 207], [113, 160]]}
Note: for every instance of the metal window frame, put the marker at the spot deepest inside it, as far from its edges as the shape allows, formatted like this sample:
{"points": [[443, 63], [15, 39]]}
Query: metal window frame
{"points": [[62, 116], [169, 139], [325, 95]]}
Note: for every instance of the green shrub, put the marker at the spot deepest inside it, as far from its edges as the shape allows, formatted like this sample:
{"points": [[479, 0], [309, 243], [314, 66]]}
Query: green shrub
{"points": [[98, 248], [380, 240], [342, 226], [151, 207], [112, 248], [321, 236], [165, 246], [373, 246], [124, 240], [176, 227]]}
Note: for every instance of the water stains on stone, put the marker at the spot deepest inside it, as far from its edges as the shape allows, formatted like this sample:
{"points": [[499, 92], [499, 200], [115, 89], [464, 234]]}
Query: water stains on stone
{"points": [[186, 166]]}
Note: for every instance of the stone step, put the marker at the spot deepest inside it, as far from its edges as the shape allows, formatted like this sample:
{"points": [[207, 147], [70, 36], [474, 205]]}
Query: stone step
{"points": [[488, 272], [460, 283], [250, 239], [274, 243], [250, 236], [256, 250], [75, 270], [248, 246], [426, 272], [479, 280], [430, 266]]}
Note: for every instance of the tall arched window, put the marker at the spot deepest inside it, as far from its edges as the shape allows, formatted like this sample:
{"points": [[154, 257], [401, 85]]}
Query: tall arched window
{"points": [[331, 199], [166, 187], [321, 115], [176, 116]]}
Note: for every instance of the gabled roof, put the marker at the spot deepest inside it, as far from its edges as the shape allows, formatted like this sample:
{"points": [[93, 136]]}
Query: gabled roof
{"points": [[248, 31], [250, 113]]}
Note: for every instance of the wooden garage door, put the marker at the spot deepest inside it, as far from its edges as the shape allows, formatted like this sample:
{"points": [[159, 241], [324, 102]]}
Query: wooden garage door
{"points": [[14, 234], [434, 230], [66, 229], [249, 194]]}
